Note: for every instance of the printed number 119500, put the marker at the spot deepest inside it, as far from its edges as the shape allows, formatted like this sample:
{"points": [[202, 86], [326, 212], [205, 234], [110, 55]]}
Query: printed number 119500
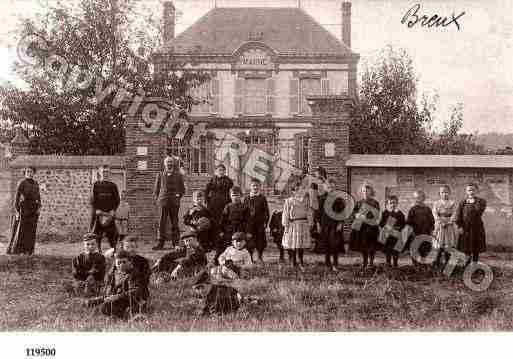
{"points": [[40, 352]]}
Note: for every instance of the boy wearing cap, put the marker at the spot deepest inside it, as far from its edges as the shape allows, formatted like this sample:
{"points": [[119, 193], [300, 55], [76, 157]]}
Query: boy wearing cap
{"points": [[88, 269], [125, 291]]}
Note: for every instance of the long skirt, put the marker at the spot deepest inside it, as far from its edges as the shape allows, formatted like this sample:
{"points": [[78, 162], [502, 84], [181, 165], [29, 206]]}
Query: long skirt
{"points": [[365, 240], [297, 236], [445, 236], [23, 234]]}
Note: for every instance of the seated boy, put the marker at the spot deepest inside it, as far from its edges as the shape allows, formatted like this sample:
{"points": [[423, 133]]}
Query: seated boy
{"points": [[141, 265], [231, 261], [125, 291], [200, 220], [88, 269], [182, 260]]}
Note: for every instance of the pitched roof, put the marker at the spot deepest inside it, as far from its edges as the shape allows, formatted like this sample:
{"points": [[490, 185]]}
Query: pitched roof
{"points": [[433, 161], [56, 161], [289, 31]]}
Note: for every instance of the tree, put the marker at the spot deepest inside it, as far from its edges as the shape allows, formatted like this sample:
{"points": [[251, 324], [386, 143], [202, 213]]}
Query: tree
{"points": [[109, 42], [387, 117], [450, 141]]}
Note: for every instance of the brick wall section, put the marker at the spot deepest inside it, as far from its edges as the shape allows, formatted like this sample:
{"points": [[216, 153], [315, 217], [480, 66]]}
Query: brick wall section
{"points": [[139, 183], [331, 125]]}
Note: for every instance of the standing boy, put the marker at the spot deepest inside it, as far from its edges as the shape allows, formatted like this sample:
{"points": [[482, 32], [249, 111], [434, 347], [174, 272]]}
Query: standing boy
{"points": [[331, 228], [257, 221], [233, 219], [420, 219], [104, 203]]}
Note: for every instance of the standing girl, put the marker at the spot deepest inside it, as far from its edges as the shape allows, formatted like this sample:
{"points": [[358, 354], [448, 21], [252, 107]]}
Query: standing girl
{"points": [[444, 211], [365, 227], [27, 204], [217, 193], [468, 218], [296, 219]]}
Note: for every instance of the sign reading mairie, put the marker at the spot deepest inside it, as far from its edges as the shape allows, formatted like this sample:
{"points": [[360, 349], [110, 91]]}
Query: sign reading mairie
{"points": [[254, 59]]}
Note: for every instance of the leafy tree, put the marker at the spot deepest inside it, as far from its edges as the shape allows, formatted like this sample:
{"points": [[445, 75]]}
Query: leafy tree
{"points": [[112, 42], [389, 120], [450, 141]]}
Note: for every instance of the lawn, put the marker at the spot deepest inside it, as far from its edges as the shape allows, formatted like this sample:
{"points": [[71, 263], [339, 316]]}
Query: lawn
{"points": [[32, 298]]}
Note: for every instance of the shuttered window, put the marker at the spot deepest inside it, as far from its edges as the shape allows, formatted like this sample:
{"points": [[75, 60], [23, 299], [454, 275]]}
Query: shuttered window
{"points": [[255, 97]]}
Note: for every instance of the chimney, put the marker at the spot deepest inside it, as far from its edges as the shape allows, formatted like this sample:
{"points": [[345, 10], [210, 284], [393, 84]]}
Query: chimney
{"points": [[346, 23], [168, 17]]}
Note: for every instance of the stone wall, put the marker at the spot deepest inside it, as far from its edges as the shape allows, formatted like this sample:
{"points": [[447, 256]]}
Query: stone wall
{"points": [[65, 185]]}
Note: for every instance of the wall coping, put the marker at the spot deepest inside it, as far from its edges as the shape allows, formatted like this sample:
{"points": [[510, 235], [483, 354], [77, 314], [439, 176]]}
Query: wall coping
{"points": [[57, 161]]}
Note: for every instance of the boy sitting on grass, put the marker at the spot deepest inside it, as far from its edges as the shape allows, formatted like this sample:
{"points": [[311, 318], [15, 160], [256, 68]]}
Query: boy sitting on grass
{"points": [[125, 291], [231, 262], [141, 264], [184, 260], [88, 269]]}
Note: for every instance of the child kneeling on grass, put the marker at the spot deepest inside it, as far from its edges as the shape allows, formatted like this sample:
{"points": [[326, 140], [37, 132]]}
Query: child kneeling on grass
{"points": [[231, 262], [183, 260], [88, 269], [126, 294]]}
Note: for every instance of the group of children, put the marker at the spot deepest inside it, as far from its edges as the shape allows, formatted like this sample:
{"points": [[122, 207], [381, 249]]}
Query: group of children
{"points": [[446, 227], [238, 231]]}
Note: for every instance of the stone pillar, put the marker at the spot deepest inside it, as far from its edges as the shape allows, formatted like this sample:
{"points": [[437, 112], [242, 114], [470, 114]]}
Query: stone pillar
{"points": [[145, 149], [330, 135]]}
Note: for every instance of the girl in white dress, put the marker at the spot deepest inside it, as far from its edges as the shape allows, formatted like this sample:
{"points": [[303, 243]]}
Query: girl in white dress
{"points": [[444, 211], [297, 219]]}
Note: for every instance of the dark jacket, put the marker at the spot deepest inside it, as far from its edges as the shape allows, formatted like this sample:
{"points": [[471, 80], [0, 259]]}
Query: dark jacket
{"points": [[142, 269], [205, 237], [234, 218], [131, 288], [28, 199], [258, 213], [105, 196], [169, 188], [84, 265], [420, 218], [468, 217], [217, 195]]}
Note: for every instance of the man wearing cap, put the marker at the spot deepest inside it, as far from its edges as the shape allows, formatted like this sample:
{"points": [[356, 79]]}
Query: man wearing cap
{"points": [[169, 189]]}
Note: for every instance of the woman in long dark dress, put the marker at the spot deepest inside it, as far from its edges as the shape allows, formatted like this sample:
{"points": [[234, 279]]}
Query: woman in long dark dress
{"points": [[27, 204], [468, 218], [217, 192]]}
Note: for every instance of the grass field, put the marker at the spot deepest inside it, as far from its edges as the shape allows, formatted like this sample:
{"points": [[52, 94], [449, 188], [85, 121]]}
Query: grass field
{"points": [[32, 298]]}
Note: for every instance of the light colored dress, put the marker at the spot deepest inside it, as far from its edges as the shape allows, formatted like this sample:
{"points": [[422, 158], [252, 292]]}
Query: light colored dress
{"points": [[445, 232], [297, 219]]}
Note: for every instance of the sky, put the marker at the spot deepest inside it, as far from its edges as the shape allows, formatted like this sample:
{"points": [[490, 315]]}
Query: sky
{"points": [[472, 65]]}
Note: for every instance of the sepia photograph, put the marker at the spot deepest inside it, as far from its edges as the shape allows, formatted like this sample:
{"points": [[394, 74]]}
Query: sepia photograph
{"points": [[255, 166]]}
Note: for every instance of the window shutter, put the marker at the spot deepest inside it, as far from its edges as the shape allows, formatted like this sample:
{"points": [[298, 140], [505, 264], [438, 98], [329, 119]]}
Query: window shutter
{"points": [[270, 96], [325, 87], [239, 95], [215, 92], [294, 96]]}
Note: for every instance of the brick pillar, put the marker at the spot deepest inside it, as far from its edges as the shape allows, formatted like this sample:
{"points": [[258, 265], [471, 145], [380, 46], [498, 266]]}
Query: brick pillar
{"points": [[330, 132], [19, 144], [144, 153]]}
